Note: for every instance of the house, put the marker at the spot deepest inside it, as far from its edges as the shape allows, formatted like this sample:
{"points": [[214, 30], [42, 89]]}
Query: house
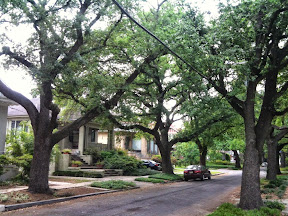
{"points": [[4, 103], [89, 136], [139, 147], [79, 140]]}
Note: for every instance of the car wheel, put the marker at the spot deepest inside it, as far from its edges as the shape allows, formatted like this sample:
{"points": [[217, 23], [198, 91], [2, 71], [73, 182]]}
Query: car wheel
{"points": [[185, 179], [209, 177], [202, 178]]}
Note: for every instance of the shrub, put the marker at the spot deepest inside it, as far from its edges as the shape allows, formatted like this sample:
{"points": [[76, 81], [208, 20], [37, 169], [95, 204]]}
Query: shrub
{"points": [[221, 162], [114, 184], [107, 154], [274, 183], [66, 151], [169, 177], [126, 163], [78, 174], [122, 152], [24, 163], [227, 209], [4, 197], [275, 205], [94, 152], [157, 158], [78, 163], [152, 180], [141, 172], [20, 197], [3, 161]]}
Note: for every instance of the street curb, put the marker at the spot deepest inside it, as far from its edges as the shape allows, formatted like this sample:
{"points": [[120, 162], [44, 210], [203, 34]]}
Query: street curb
{"points": [[52, 201]]}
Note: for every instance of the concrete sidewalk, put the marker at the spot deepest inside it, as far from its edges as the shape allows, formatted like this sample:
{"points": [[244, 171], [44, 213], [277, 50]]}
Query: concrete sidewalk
{"points": [[61, 185]]}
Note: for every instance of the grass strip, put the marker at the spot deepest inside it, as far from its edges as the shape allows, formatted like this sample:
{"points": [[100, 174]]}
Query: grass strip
{"points": [[169, 177], [114, 184], [152, 180]]}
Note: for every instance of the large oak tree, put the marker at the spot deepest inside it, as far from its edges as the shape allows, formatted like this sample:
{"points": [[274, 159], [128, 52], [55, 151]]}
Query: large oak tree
{"points": [[68, 54], [246, 55]]}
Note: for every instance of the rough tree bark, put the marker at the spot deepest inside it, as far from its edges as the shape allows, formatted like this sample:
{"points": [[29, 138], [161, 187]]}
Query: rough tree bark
{"points": [[237, 159], [250, 196], [272, 160], [166, 159], [273, 151], [202, 152], [283, 157]]}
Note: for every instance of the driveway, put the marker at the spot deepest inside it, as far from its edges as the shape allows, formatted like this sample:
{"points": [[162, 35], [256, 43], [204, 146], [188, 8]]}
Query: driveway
{"points": [[181, 198]]}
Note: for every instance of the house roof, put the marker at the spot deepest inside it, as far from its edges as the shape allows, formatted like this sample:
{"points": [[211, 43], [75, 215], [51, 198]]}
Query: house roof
{"points": [[20, 111], [4, 101]]}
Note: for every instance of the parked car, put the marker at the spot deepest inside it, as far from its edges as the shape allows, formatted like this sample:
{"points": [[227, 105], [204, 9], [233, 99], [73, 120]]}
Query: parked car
{"points": [[152, 164], [196, 172]]}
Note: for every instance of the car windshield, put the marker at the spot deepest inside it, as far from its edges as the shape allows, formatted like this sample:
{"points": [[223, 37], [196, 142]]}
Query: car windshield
{"points": [[194, 167]]}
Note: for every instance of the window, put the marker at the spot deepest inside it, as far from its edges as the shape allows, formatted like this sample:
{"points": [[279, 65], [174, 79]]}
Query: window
{"points": [[152, 147], [16, 125], [93, 135], [136, 144]]}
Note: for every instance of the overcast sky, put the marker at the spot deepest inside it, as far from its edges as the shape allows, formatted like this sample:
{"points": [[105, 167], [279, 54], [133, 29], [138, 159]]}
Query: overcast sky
{"points": [[18, 80]]}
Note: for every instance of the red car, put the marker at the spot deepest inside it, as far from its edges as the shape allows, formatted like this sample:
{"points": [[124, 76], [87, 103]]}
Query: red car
{"points": [[196, 172]]}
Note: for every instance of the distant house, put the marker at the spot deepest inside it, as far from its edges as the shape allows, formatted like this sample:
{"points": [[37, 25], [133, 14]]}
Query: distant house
{"points": [[89, 135], [79, 140], [4, 103]]}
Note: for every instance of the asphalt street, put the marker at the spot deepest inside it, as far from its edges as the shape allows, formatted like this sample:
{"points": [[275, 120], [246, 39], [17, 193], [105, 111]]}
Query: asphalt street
{"points": [[181, 198]]}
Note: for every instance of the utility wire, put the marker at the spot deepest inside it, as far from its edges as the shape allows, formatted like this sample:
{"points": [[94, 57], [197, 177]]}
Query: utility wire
{"points": [[155, 37]]}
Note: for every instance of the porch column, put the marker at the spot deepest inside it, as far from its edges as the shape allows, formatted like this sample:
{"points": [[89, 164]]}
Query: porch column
{"points": [[81, 142], [3, 125]]}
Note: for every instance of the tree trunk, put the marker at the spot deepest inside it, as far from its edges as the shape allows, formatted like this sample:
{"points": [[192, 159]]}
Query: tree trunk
{"points": [[272, 160], [283, 157], [237, 159], [203, 155], [40, 166], [278, 165], [166, 160], [250, 197], [202, 151]]}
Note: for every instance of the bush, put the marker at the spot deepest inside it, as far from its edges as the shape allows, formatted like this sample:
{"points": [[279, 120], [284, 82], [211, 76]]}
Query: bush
{"points": [[221, 162], [78, 163], [142, 172], [126, 163], [94, 152], [274, 205], [3, 161], [169, 177], [227, 209], [78, 174], [157, 158], [274, 183], [24, 163], [114, 184], [152, 180], [107, 154]]}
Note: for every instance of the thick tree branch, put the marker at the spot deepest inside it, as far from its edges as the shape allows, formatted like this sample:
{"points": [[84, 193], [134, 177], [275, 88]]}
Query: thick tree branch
{"points": [[20, 59], [129, 127], [108, 105], [190, 136], [23, 101]]}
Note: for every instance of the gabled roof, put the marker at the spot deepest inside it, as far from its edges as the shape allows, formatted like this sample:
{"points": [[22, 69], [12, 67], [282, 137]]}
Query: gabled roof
{"points": [[5, 101], [19, 111]]}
